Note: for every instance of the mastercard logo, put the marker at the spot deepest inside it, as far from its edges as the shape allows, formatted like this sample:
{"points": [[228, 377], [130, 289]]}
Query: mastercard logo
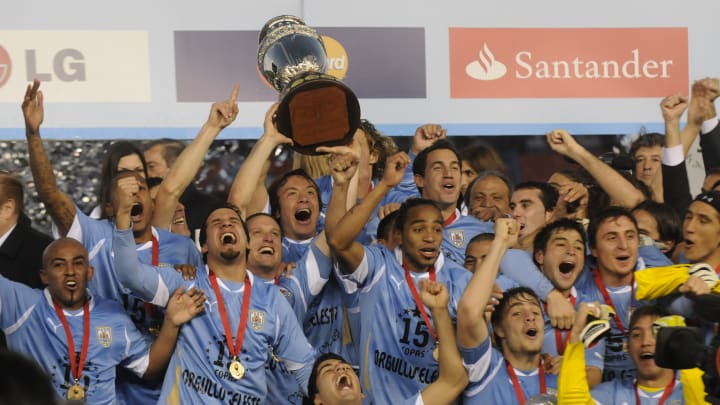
{"points": [[5, 66], [337, 58]]}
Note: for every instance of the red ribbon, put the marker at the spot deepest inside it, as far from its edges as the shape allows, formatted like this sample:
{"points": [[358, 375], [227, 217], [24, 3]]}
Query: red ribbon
{"points": [[76, 367], [233, 348], [418, 301]]}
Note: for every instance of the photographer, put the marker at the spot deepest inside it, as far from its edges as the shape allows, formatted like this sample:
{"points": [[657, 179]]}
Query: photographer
{"points": [[654, 385]]}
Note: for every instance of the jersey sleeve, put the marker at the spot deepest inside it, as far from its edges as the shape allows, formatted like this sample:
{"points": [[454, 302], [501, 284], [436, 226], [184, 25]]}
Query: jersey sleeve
{"points": [[290, 343], [136, 355], [309, 278], [149, 283], [15, 300], [479, 363], [518, 265], [370, 267]]}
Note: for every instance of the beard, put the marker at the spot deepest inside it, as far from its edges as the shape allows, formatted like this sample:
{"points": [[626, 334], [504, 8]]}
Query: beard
{"points": [[230, 256]]}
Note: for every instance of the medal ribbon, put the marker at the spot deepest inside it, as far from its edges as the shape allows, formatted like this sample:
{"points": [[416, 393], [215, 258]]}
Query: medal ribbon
{"points": [[516, 383], [76, 367], [606, 296], [233, 348], [418, 301], [666, 393]]}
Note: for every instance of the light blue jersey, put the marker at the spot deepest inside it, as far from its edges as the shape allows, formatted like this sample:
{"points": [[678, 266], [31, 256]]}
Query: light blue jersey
{"points": [[293, 250], [198, 371], [396, 345], [458, 233], [369, 232], [616, 360], [490, 383], [32, 327], [96, 235], [623, 392]]}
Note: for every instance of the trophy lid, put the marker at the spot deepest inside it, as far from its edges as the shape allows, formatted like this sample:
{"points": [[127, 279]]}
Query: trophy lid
{"points": [[288, 47]]}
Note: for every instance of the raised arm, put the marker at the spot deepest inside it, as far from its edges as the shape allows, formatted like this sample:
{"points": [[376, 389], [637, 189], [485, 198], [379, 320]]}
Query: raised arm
{"points": [[182, 307], [344, 162], [222, 114], [620, 190], [149, 283], [676, 187], [243, 187], [453, 378], [60, 206], [701, 109], [472, 329], [342, 238]]}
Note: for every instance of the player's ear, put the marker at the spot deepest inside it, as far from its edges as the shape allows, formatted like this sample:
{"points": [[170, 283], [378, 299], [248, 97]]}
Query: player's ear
{"points": [[43, 276]]}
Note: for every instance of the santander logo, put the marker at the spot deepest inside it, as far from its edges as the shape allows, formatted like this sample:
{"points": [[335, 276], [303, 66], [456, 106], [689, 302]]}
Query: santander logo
{"points": [[486, 67], [567, 62]]}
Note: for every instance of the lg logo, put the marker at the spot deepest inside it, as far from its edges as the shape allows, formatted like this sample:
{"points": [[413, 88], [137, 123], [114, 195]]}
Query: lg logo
{"points": [[68, 65]]}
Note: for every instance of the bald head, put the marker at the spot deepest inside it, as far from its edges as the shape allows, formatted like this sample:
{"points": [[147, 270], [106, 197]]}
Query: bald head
{"points": [[54, 249]]}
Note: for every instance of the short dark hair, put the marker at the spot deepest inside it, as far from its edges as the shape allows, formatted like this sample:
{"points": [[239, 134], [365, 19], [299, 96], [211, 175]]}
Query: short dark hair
{"points": [[646, 310], [483, 175], [12, 188], [384, 146], [602, 216], [224, 204], [548, 195], [420, 161], [312, 388], [648, 140], [277, 184], [261, 214], [482, 237], [667, 218], [386, 225], [409, 204], [171, 149], [565, 224], [499, 313], [482, 156]]}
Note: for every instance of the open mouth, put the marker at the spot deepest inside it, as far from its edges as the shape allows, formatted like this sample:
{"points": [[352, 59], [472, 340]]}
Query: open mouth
{"points": [[136, 211], [532, 332], [303, 214], [267, 250], [228, 238], [428, 253], [344, 383], [647, 356], [622, 258], [180, 220], [71, 284], [566, 267], [688, 243]]}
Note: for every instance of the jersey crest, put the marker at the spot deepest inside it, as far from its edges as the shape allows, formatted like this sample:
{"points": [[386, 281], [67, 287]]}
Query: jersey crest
{"points": [[457, 237], [104, 335], [257, 320]]}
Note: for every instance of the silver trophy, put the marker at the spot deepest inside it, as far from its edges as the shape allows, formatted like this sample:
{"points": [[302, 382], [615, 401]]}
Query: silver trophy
{"points": [[315, 107]]}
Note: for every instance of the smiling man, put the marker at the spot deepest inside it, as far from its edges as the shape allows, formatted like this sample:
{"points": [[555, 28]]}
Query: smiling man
{"points": [[223, 354], [437, 173], [398, 335], [614, 243]]}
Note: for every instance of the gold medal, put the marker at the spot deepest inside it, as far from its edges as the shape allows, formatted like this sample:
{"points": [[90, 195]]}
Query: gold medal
{"points": [[76, 393], [436, 353], [237, 371]]}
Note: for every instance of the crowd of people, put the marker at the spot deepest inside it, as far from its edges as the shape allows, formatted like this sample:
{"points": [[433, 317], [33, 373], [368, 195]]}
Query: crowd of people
{"points": [[367, 275]]}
